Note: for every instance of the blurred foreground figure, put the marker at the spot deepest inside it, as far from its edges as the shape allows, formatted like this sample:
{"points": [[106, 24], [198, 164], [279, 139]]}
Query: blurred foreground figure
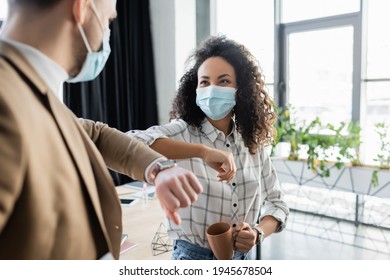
{"points": [[57, 198]]}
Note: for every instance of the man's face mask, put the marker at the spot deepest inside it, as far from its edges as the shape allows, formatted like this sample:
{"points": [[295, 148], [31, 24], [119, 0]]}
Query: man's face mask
{"points": [[94, 61], [216, 102]]}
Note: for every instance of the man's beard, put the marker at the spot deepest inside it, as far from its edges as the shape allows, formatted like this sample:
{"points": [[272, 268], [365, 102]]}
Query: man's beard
{"points": [[80, 54]]}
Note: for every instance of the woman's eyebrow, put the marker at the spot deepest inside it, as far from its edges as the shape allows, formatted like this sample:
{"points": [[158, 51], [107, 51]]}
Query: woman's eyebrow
{"points": [[219, 77], [223, 75]]}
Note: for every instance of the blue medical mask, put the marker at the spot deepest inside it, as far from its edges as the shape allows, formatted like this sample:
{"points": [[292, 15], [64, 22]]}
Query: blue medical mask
{"points": [[216, 102], [95, 61]]}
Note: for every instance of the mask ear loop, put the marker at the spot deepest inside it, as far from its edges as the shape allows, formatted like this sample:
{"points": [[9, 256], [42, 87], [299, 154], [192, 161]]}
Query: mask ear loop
{"points": [[84, 37], [94, 9]]}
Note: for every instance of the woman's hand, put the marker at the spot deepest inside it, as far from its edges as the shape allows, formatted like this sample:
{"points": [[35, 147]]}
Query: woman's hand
{"points": [[245, 238], [221, 161]]}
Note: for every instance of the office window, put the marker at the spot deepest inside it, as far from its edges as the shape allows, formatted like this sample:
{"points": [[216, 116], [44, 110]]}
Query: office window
{"points": [[320, 74], [297, 10], [378, 40], [332, 68], [3, 9], [377, 77], [251, 23], [185, 31]]}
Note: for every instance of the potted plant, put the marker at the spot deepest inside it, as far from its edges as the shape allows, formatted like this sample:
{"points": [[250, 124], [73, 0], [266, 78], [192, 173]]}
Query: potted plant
{"points": [[327, 155], [319, 144], [383, 156]]}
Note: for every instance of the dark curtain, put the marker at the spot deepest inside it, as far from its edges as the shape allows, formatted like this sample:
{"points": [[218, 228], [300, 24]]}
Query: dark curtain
{"points": [[124, 94]]}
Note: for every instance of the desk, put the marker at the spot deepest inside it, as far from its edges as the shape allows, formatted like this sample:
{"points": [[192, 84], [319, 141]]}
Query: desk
{"points": [[141, 222]]}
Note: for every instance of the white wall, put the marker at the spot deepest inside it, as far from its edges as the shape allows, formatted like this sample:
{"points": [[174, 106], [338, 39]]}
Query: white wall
{"points": [[174, 37], [185, 33], [162, 16]]}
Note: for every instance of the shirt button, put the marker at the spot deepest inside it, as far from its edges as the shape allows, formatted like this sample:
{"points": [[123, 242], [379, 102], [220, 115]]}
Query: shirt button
{"points": [[235, 204], [234, 225], [234, 184], [116, 227], [228, 145]]}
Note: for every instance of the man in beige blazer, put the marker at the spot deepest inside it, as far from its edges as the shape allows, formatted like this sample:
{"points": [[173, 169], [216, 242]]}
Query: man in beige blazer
{"points": [[57, 199]]}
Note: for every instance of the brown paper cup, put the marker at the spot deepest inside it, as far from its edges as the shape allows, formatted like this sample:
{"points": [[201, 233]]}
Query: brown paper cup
{"points": [[220, 237]]}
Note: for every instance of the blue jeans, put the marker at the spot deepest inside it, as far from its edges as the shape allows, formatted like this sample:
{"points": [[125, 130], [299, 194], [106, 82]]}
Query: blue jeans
{"points": [[183, 250]]}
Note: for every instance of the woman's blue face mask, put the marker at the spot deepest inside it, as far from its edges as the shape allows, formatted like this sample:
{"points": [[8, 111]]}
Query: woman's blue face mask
{"points": [[216, 102]]}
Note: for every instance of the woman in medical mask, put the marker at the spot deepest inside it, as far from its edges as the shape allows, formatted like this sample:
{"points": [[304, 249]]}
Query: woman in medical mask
{"points": [[222, 103]]}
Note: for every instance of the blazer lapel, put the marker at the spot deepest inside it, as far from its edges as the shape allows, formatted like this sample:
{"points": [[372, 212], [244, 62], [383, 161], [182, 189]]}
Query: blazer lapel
{"points": [[112, 212], [92, 171]]}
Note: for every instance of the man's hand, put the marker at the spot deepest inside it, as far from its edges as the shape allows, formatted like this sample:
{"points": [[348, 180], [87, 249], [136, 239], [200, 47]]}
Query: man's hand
{"points": [[245, 237], [221, 161], [176, 188]]}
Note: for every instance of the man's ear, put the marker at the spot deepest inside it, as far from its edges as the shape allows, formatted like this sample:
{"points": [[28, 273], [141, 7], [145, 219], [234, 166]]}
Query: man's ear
{"points": [[80, 10]]}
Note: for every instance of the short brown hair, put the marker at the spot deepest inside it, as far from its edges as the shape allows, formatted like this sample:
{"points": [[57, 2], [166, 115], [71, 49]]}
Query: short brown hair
{"points": [[36, 3]]}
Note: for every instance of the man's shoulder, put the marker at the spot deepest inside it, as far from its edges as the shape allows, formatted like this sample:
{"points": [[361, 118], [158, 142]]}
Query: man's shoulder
{"points": [[13, 89], [9, 78], [18, 103], [6, 70]]}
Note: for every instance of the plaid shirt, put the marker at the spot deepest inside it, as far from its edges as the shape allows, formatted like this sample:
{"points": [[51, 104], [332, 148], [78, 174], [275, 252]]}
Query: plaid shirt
{"points": [[254, 188]]}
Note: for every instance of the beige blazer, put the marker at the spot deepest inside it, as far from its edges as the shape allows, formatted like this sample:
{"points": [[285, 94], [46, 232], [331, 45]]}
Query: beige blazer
{"points": [[57, 198]]}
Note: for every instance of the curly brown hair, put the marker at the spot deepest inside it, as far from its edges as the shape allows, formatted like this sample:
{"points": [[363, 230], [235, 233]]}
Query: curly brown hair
{"points": [[253, 112]]}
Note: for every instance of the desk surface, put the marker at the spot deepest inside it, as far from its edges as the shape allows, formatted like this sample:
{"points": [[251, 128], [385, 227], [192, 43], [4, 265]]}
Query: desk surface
{"points": [[141, 222]]}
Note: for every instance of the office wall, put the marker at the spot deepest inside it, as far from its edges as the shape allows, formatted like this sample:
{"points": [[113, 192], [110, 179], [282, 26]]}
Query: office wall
{"points": [[174, 37]]}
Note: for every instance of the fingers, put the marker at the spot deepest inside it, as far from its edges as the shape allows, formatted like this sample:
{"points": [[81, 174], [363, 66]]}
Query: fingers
{"points": [[223, 162], [194, 182], [242, 226], [227, 171], [245, 238], [173, 216], [188, 188], [166, 197], [169, 203], [226, 174], [176, 188], [226, 177], [232, 165]]}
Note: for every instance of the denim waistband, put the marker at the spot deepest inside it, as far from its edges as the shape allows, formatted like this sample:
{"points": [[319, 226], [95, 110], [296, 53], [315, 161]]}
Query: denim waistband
{"points": [[187, 246], [194, 251]]}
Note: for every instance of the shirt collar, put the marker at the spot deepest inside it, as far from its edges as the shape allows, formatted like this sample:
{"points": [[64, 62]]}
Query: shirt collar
{"points": [[52, 73], [212, 132]]}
